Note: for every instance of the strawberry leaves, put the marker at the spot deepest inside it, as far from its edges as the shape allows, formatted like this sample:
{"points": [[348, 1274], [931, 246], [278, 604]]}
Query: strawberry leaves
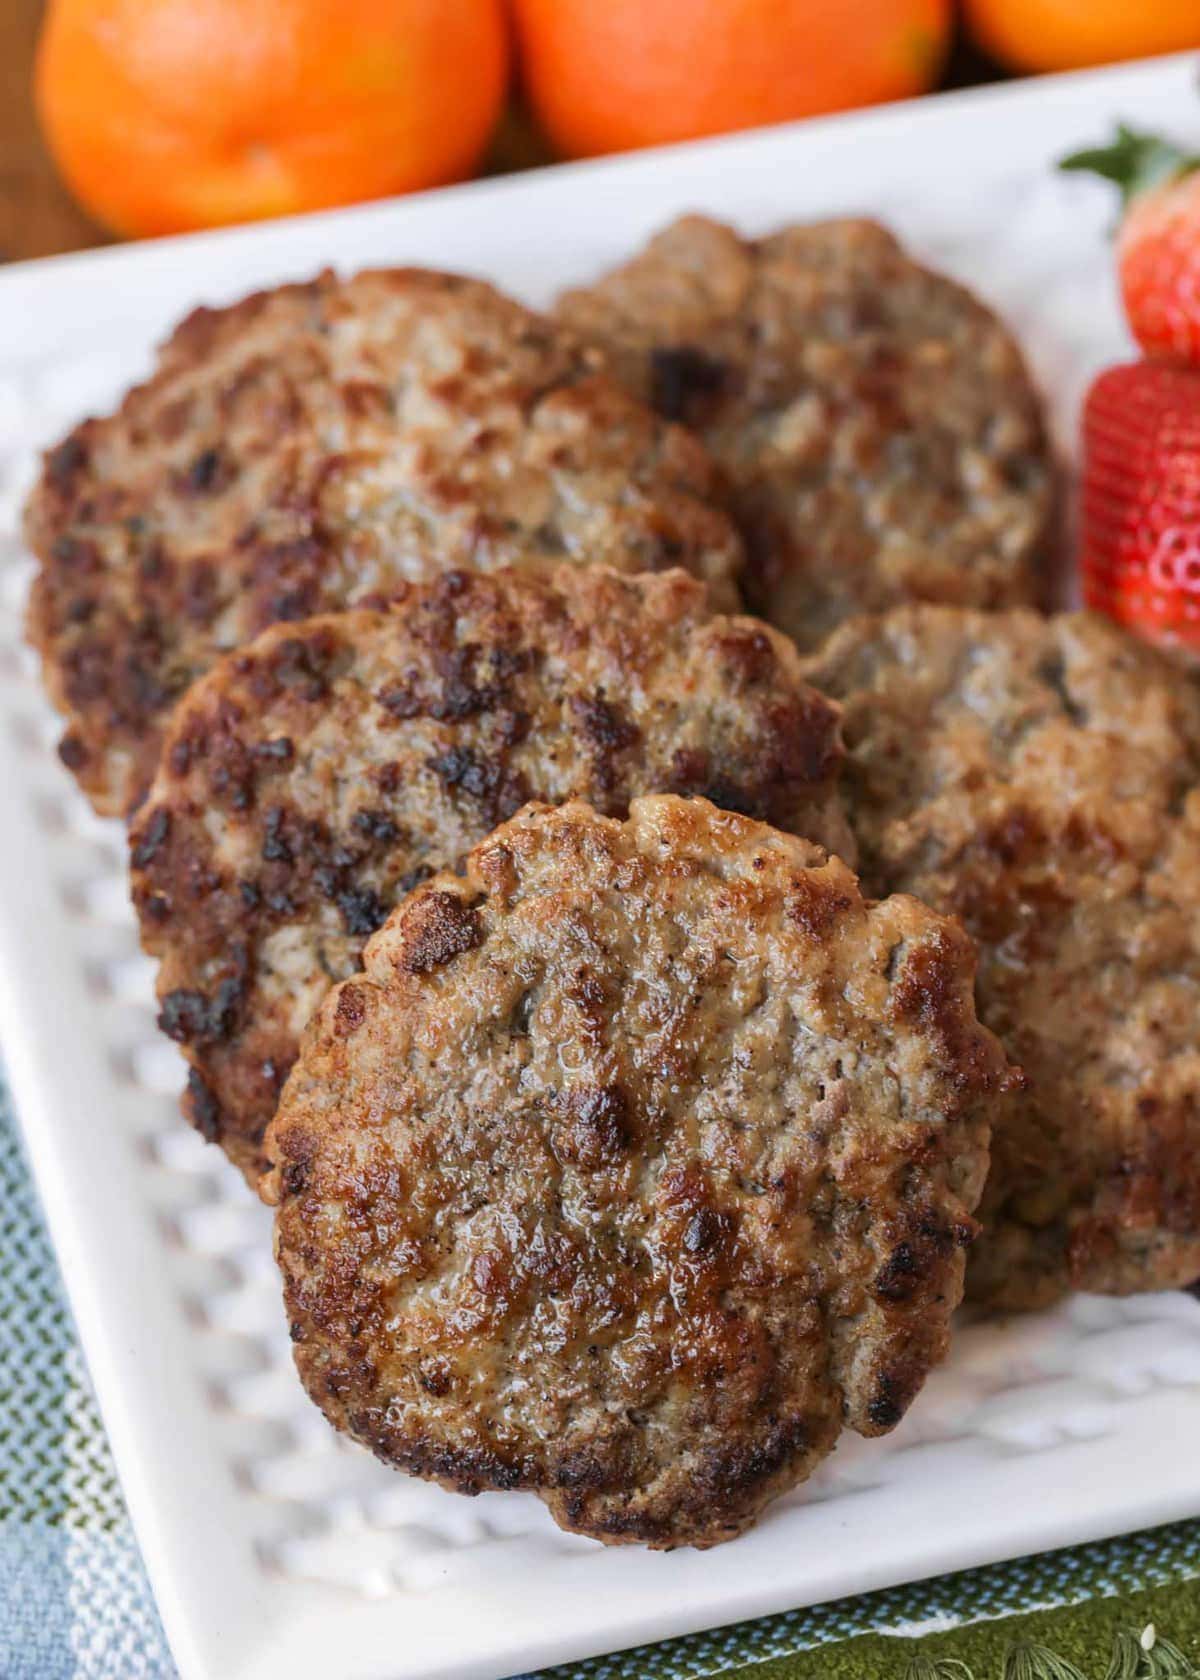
{"points": [[1135, 161]]}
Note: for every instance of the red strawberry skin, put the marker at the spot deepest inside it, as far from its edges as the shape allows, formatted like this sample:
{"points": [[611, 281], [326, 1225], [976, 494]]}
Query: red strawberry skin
{"points": [[1140, 524], [1158, 257]]}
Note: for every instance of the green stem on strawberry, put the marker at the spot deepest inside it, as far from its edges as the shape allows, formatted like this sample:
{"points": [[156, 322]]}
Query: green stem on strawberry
{"points": [[1158, 241], [1135, 161]]}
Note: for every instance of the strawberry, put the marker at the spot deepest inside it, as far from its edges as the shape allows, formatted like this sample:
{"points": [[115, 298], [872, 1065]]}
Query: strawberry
{"points": [[1158, 246], [1140, 530]]}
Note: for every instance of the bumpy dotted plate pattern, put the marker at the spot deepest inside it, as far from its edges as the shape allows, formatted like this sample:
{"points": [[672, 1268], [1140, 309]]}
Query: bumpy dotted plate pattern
{"points": [[275, 1549]]}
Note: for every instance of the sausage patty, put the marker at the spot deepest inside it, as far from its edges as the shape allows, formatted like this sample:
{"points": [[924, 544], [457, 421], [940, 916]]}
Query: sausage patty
{"points": [[879, 429], [1038, 778], [316, 775], [637, 1163], [313, 446]]}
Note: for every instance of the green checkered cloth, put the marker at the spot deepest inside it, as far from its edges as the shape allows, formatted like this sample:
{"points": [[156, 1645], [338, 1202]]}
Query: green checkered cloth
{"points": [[75, 1603], [74, 1600]]}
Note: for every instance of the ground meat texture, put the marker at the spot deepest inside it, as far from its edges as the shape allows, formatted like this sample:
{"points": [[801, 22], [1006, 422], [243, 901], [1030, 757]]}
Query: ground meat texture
{"points": [[311, 448], [661, 1175], [877, 424], [1038, 778], [315, 777]]}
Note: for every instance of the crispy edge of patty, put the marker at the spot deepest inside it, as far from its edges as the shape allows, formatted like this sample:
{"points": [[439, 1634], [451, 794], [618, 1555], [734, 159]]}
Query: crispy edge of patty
{"points": [[233, 844], [443, 935], [1107, 812], [664, 316], [114, 668]]}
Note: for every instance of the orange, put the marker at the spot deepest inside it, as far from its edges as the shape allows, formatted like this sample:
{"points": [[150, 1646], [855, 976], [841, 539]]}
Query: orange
{"points": [[1064, 34], [165, 115], [608, 75]]}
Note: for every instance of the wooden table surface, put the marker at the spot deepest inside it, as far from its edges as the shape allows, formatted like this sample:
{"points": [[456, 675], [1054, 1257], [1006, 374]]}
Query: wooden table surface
{"points": [[37, 214]]}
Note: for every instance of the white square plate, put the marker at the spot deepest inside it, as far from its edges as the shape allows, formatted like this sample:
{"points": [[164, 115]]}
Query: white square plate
{"points": [[277, 1550]]}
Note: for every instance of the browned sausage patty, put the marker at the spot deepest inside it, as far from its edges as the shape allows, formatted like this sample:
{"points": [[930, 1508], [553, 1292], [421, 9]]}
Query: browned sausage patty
{"points": [[1038, 778], [876, 422], [313, 446], [636, 1164], [315, 776]]}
